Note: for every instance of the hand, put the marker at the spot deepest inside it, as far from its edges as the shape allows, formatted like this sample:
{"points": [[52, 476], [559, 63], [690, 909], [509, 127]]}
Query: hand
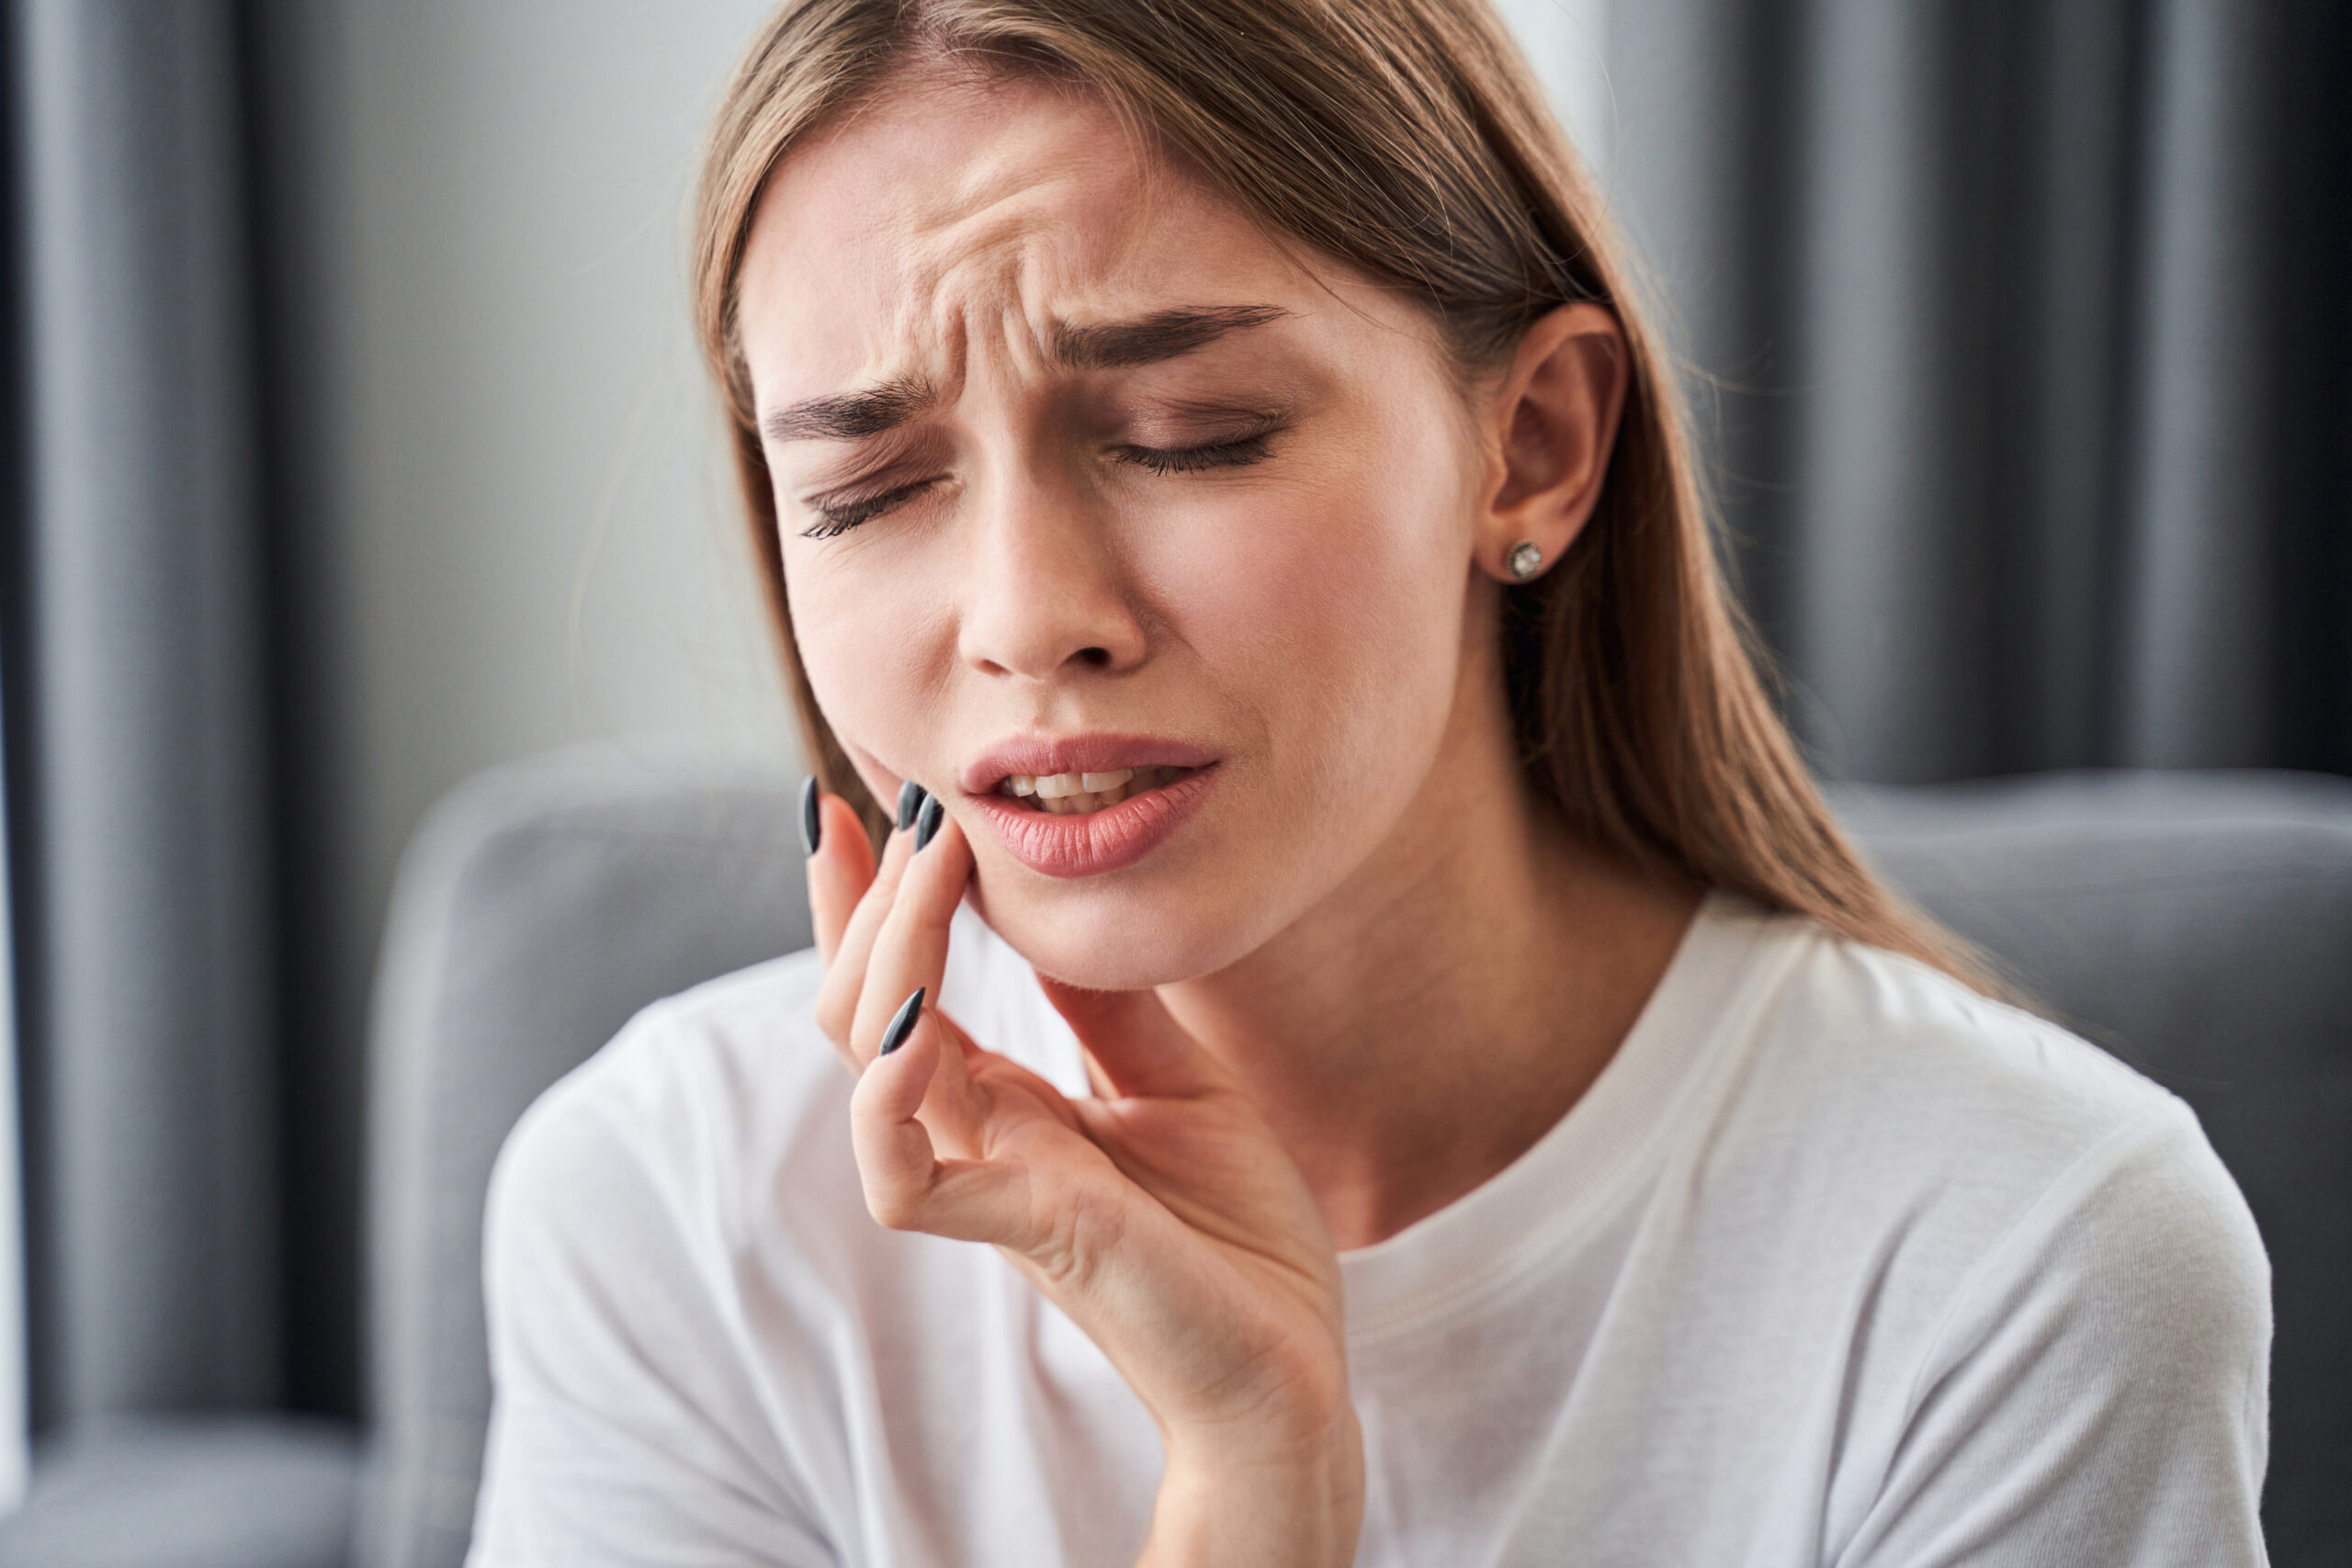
{"points": [[1163, 1217]]}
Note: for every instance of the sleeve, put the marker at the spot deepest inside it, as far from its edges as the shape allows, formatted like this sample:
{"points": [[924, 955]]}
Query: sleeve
{"points": [[2100, 1393], [622, 1430]]}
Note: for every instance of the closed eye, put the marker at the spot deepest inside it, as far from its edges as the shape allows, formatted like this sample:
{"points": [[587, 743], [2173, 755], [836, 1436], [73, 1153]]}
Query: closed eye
{"points": [[1236, 453], [839, 516]]}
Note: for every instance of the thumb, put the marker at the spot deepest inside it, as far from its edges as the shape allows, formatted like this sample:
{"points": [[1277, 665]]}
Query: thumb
{"points": [[1139, 1048]]}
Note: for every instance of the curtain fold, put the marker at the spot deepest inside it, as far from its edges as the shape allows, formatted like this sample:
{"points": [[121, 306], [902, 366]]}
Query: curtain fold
{"points": [[2021, 375], [2198, 579], [140, 760]]}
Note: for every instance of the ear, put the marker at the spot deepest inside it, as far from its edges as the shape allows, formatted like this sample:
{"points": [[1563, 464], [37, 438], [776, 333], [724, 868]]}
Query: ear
{"points": [[1552, 425]]}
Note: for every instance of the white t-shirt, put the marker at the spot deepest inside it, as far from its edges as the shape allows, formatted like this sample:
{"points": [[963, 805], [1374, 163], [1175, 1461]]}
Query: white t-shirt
{"points": [[1836, 1263]]}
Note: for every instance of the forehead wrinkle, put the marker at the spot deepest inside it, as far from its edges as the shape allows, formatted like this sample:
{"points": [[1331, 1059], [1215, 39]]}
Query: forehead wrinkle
{"points": [[990, 287], [1014, 260], [1011, 231]]}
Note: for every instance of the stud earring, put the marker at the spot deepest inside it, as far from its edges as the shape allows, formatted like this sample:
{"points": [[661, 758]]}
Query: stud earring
{"points": [[1525, 561]]}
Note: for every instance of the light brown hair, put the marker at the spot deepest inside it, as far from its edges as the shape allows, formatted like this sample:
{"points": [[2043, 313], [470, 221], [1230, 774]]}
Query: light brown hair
{"points": [[1408, 140]]}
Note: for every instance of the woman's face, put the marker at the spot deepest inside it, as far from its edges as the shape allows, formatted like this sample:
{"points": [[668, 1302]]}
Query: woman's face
{"points": [[1079, 473]]}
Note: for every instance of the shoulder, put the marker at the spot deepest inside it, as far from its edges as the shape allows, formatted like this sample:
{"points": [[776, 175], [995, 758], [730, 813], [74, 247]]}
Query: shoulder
{"points": [[2023, 1262], [693, 1094], [1963, 1142], [681, 1070], [2037, 1260], [628, 1201], [624, 1409], [1886, 1058], [721, 1114]]}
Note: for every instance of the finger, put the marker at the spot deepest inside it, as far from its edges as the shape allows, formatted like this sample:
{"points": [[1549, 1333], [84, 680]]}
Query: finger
{"points": [[838, 994], [1137, 1047], [911, 948], [895, 1163], [906, 1186], [841, 868]]}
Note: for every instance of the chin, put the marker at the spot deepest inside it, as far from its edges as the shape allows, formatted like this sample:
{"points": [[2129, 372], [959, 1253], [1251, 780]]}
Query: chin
{"points": [[1116, 939]]}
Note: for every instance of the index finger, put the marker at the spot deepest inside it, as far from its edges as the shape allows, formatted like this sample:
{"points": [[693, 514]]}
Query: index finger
{"points": [[911, 948], [841, 867]]}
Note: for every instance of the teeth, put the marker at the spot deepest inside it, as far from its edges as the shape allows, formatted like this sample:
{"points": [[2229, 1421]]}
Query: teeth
{"points": [[1071, 794], [1056, 786]]}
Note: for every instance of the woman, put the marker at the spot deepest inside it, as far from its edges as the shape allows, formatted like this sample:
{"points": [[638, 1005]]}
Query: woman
{"points": [[1354, 941]]}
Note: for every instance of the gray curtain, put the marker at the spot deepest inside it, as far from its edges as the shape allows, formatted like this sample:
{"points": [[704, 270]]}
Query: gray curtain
{"points": [[2018, 335], [138, 746]]}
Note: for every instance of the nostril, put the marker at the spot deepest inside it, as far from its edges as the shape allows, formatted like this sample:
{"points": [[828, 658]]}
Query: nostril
{"points": [[1097, 657]]}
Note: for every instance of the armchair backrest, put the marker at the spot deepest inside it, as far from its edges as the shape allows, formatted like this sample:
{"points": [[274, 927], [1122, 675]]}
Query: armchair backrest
{"points": [[537, 909]]}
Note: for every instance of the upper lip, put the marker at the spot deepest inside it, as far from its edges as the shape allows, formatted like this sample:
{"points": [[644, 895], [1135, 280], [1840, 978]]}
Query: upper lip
{"points": [[1037, 756]]}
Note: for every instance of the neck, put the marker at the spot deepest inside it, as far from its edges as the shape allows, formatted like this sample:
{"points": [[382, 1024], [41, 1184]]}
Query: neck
{"points": [[1438, 1012]]}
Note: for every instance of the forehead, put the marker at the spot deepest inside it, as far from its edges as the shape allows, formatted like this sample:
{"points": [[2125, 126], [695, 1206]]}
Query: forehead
{"points": [[943, 211]]}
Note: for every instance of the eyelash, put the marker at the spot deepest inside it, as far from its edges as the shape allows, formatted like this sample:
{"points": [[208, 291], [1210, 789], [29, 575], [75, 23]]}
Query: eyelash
{"points": [[841, 518], [1240, 452]]}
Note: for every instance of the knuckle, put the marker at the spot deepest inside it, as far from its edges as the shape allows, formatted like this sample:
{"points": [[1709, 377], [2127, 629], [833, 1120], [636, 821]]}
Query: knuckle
{"points": [[894, 1208], [835, 1013], [1075, 1240]]}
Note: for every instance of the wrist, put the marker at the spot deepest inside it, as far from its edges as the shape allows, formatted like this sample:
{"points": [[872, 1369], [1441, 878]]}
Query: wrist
{"points": [[1286, 1494]]}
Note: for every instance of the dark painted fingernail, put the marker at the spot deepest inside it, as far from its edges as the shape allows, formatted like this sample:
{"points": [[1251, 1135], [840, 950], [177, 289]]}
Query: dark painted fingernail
{"points": [[927, 821], [910, 796], [902, 1022], [812, 818]]}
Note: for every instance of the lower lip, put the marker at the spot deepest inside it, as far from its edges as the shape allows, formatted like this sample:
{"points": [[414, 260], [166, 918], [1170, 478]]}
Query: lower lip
{"points": [[1109, 839]]}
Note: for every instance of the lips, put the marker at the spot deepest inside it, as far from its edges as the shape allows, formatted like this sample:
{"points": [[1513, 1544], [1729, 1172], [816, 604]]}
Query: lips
{"points": [[1033, 793]]}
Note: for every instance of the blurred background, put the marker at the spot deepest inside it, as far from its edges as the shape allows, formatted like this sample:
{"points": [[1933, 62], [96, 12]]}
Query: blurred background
{"points": [[355, 442]]}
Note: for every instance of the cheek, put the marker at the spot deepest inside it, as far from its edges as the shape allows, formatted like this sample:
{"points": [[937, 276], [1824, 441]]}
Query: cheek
{"points": [[1336, 603], [878, 692]]}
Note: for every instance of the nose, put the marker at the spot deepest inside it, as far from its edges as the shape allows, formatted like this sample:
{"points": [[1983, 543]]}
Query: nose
{"points": [[1046, 593]]}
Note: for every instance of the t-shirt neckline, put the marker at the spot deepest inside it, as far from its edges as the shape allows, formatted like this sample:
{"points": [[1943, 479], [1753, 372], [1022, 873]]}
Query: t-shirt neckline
{"points": [[1570, 1179], [1567, 1182]]}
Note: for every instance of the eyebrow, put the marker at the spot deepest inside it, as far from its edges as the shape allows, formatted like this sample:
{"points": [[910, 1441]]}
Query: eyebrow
{"points": [[1146, 340], [845, 416], [1108, 345]]}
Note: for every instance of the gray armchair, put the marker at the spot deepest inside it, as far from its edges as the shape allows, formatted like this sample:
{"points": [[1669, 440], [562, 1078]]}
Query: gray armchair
{"points": [[2200, 926], [538, 908]]}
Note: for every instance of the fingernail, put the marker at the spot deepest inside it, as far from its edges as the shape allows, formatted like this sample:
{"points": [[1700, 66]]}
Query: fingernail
{"points": [[902, 1022], [812, 819], [927, 821], [910, 796]]}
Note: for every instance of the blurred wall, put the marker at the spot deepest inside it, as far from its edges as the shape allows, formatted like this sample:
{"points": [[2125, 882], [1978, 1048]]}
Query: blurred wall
{"points": [[1568, 44], [499, 486], [536, 540]]}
